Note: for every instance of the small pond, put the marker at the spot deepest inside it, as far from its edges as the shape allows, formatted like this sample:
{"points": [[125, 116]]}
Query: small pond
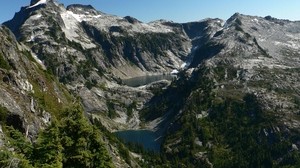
{"points": [[148, 139], [144, 80]]}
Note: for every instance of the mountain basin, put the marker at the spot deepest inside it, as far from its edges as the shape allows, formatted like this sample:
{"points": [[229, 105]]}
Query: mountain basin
{"points": [[144, 80], [146, 138]]}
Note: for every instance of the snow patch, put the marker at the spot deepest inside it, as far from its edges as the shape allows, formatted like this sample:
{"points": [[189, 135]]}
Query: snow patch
{"points": [[278, 43], [255, 20], [71, 21], [32, 37], [175, 71], [183, 65], [38, 61], [261, 39], [38, 3], [35, 17], [81, 17]]}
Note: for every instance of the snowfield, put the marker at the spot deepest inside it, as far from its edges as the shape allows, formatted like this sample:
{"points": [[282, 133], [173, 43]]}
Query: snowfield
{"points": [[38, 3], [72, 30]]}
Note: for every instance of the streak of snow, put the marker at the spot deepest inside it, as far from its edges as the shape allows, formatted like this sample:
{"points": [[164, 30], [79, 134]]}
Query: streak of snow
{"points": [[35, 17], [195, 48], [32, 37], [116, 34], [175, 71], [135, 155], [38, 61], [255, 20], [183, 65], [278, 43], [261, 39], [38, 3]]}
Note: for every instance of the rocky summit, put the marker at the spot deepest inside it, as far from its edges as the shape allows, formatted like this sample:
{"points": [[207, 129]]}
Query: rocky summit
{"points": [[214, 94]]}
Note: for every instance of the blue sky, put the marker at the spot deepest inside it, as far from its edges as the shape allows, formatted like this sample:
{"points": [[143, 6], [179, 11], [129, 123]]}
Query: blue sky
{"points": [[176, 10]]}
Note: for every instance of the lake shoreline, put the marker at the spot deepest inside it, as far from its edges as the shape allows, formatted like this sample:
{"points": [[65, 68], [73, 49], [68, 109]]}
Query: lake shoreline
{"points": [[150, 140], [147, 79]]}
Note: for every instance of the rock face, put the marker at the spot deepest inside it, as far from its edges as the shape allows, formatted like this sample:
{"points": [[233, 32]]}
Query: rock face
{"points": [[261, 55], [125, 47], [28, 93], [247, 61]]}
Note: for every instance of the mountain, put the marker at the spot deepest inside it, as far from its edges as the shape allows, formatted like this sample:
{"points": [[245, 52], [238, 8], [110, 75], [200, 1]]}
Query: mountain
{"points": [[122, 43], [90, 51], [234, 101], [238, 104]]}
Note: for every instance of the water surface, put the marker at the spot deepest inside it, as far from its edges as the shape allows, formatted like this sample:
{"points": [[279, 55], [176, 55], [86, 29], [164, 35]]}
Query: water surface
{"points": [[144, 80], [148, 139]]}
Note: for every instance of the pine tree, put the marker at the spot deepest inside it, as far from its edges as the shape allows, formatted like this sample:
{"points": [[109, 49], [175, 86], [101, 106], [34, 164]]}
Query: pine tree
{"points": [[48, 150], [82, 143]]}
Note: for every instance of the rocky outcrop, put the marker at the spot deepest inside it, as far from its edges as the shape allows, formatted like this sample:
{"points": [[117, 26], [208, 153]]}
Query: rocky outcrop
{"points": [[24, 88]]}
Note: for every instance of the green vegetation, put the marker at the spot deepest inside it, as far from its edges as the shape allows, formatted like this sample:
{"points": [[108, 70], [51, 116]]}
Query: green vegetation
{"points": [[130, 108], [225, 73], [55, 31], [122, 149], [111, 109], [84, 68], [68, 142], [237, 132], [47, 100], [45, 87], [3, 63], [90, 83], [28, 55], [3, 114]]}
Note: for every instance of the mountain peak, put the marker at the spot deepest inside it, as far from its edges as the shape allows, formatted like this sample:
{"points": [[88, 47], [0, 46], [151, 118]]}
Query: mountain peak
{"points": [[234, 17], [132, 20], [87, 7], [82, 9]]}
